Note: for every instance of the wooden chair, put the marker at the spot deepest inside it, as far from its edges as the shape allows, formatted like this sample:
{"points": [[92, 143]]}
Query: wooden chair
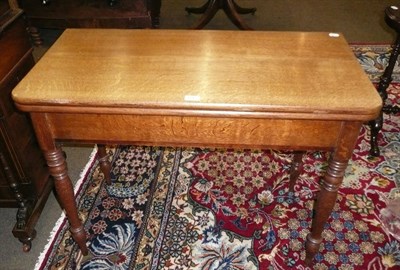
{"points": [[392, 18]]}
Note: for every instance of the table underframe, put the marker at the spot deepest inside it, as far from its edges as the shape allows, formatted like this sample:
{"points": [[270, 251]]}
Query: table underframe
{"points": [[275, 131]]}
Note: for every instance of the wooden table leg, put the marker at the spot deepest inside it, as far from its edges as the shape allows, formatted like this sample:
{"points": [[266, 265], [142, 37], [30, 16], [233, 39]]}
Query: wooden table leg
{"points": [[62, 182], [242, 10], [297, 164], [198, 10], [324, 205], [209, 13], [58, 170], [326, 198], [105, 164], [231, 9]]}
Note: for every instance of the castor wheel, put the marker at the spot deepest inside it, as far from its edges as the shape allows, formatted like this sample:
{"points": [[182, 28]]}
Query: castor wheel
{"points": [[26, 246], [27, 242]]}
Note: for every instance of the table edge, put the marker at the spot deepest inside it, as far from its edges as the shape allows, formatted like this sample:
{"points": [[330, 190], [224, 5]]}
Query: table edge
{"points": [[355, 114]]}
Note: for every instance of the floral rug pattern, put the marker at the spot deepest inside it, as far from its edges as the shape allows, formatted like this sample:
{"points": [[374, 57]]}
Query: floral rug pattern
{"points": [[191, 208]]}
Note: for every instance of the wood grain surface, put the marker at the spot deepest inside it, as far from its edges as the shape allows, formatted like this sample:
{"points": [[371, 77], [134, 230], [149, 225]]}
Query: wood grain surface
{"points": [[236, 71]]}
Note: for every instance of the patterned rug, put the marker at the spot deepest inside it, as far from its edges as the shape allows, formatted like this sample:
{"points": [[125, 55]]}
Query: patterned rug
{"points": [[191, 208]]}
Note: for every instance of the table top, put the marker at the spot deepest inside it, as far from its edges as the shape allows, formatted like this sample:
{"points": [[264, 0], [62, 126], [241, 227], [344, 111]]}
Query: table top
{"points": [[115, 70]]}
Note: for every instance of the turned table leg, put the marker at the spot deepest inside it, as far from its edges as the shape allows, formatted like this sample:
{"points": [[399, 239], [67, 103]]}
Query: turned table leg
{"points": [[55, 159], [327, 196], [324, 205], [58, 169]]}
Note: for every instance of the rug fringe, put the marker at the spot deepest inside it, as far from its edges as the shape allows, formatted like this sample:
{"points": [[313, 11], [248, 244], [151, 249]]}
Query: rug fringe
{"points": [[62, 218]]}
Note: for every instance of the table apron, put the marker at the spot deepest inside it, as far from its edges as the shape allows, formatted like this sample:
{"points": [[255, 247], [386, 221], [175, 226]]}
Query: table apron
{"points": [[195, 131]]}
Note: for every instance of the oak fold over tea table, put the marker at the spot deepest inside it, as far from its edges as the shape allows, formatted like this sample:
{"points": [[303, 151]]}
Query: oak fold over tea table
{"points": [[247, 89]]}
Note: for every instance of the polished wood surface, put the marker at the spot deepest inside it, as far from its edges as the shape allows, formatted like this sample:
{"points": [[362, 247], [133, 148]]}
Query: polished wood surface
{"points": [[307, 74], [200, 88]]}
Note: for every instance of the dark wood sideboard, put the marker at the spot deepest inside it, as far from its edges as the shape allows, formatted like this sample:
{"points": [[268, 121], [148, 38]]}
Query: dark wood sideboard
{"points": [[24, 178], [61, 14]]}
